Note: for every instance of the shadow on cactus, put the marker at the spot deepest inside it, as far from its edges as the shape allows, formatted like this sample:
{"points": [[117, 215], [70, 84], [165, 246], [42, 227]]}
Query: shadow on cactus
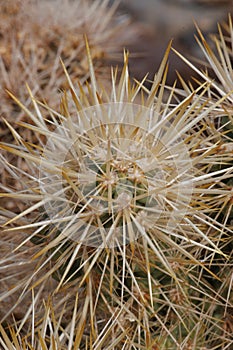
{"points": [[118, 231]]}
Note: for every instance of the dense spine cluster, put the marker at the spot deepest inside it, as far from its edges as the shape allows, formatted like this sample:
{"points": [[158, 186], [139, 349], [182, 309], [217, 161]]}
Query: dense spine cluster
{"points": [[121, 233]]}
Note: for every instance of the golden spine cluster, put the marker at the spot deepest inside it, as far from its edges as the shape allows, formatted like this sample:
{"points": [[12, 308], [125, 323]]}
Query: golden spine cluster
{"points": [[116, 199]]}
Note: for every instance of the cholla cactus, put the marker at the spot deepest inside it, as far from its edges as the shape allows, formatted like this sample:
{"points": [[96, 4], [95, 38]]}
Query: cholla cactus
{"points": [[34, 34], [218, 74], [119, 232]]}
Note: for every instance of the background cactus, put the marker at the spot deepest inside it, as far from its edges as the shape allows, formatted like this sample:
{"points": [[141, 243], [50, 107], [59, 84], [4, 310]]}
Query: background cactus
{"points": [[35, 34]]}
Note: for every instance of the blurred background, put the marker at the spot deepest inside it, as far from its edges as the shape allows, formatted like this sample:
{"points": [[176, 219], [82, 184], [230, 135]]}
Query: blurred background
{"points": [[162, 20]]}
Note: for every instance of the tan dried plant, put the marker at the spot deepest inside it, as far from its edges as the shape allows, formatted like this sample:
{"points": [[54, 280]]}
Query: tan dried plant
{"points": [[35, 34]]}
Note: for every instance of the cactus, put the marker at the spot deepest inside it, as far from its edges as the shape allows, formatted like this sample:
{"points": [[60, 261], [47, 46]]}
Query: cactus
{"points": [[119, 242], [35, 34]]}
